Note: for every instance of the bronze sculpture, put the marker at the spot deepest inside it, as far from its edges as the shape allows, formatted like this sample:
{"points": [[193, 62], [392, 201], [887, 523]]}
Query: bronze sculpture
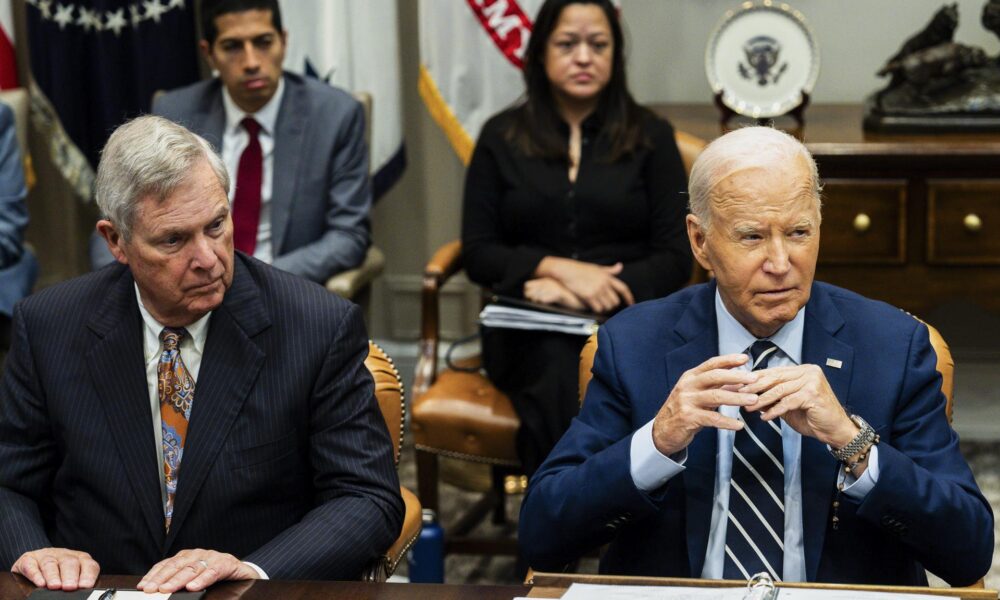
{"points": [[937, 84]]}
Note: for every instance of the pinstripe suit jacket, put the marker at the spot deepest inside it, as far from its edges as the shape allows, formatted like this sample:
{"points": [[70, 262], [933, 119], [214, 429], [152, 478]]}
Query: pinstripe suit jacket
{"points": [[287, 463]]}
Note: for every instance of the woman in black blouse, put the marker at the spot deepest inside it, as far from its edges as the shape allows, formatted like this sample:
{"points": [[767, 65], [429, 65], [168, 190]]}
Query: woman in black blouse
{"points": [[574, 197]]}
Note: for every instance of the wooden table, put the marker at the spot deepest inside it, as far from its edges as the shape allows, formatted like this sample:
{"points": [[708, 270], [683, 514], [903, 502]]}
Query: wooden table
{"points": [[15, 587], [910, 219]]}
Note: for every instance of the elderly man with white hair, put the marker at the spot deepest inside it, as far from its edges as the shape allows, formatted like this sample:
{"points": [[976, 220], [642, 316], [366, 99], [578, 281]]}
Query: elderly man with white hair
{"points": [[761, 422], [189, 414]]}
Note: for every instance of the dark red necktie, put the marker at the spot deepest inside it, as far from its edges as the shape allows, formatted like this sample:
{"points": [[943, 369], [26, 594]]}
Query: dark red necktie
{"points": [[246, 202]]}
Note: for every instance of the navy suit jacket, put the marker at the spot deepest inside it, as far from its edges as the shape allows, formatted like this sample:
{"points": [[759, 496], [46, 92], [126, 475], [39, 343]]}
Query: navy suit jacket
{"points": [[925, 510], [321, 193], [287, 463]]}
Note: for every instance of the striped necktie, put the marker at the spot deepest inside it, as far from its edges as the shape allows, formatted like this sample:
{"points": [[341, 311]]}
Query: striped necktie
{"points": [[756, 528], [176, 391]]}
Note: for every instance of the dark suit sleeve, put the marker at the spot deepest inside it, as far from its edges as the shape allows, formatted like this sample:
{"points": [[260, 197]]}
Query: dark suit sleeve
{"points": [[359, 511], [926, 495], [27, 451], [667, 266], [490, 260], [585, 487], [348, 200]]}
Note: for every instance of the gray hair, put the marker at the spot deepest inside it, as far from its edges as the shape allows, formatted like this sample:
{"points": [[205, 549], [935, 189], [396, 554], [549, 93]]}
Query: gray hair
{"points": [[741, 149], [148, 156]]}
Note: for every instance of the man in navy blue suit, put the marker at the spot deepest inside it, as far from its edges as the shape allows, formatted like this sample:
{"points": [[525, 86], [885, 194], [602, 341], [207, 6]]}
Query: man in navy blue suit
{"points": [[188, 414], [829, 458]]}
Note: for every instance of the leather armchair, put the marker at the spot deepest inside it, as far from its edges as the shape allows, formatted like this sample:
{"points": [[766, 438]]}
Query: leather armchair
{"points": [[391, 401]]}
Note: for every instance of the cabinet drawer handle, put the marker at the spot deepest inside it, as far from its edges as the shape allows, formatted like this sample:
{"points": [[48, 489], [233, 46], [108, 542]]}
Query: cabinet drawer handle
{"points": [[972, 222], [862, 222]]}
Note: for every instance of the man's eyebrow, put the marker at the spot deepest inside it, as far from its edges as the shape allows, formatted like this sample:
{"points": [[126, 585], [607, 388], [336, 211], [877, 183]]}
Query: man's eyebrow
{"points": [[744, 228]]}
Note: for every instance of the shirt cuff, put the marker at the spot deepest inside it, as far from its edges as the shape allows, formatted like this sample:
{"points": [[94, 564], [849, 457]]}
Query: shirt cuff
{"points": [[649, 467], [857, 488], [260, 571]]}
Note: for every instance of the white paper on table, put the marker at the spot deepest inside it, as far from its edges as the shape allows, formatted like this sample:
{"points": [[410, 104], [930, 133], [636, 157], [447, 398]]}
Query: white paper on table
{"points": [[589, 591], [129, 595], [805, 594], [586, 591]]}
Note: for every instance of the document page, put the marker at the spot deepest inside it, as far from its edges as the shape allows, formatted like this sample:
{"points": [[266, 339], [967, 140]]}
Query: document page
{"points": [[587, 591], [129, 595], [789, 594], [506, 317]]}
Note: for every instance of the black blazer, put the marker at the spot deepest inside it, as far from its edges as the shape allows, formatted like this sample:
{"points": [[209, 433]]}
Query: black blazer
{"points": [[287, 464]]}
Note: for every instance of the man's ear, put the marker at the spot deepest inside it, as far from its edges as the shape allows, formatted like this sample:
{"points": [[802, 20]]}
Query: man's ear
{"points": [[206, 53], [697, 237], [113, 239]]}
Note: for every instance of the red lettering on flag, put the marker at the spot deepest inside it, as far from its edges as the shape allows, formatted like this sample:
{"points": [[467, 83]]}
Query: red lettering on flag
{"points": [[506, 24]]}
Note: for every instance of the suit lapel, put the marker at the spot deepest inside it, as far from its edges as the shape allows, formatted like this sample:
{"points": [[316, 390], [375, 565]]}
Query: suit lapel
{"points": [[819, 467], [699, 330], [229, 370], [289, 138], [118, 374]]}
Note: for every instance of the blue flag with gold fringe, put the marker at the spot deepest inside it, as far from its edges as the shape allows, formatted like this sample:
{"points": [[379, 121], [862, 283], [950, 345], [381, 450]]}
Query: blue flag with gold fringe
{"points": [[97, 63]]}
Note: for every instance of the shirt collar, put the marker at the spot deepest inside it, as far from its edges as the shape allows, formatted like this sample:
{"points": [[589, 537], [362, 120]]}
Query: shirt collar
{"points": [[267, 116], [735, 339], [197, 331]]}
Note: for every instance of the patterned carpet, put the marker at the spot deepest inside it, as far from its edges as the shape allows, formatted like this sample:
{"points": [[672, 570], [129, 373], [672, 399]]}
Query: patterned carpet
{"points": [[984, 457]]}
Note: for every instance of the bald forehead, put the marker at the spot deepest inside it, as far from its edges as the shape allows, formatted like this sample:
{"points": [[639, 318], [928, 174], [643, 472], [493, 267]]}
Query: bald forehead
{"points": [[770, 188]]}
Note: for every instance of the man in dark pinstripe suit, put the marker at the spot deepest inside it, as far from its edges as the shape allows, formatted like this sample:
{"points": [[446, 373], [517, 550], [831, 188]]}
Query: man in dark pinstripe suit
{"points": [[286, 467]]}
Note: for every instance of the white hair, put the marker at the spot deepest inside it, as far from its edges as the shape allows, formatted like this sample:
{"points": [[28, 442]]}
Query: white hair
{"points": [[744, 148], [148, 156]]}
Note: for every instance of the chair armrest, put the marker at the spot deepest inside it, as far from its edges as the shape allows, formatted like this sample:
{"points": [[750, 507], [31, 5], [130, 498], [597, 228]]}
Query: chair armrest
{"points": [[446, 261], [384, 566], [348, 283]]}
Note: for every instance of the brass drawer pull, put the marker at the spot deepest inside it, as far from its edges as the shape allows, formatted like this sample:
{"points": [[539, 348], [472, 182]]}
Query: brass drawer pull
{"points": [[972, 223], [862, 223]]}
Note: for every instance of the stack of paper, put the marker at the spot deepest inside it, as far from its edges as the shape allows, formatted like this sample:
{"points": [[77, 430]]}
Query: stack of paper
{"points": [[507, 317]]}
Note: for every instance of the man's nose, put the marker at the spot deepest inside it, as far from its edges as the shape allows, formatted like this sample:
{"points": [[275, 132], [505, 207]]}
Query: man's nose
{"points": [[252, 62], [203, 254], [777, 262]]}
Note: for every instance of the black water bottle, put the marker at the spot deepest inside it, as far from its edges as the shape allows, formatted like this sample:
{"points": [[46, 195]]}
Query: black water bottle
{"points": [[427, 554]]}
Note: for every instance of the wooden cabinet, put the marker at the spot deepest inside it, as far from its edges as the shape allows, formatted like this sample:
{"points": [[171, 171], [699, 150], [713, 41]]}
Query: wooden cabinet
{"points": [[864, 222], [963, 222], [912, 220]]}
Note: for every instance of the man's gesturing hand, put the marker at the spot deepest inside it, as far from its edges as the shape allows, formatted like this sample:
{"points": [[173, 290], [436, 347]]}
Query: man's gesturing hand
{"points": [[802, 397], [58, 568], [194, 570], [692, 403]]}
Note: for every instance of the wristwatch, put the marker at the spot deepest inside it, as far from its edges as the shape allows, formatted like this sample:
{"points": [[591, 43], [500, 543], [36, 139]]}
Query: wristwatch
{"points": [[865, 438]]}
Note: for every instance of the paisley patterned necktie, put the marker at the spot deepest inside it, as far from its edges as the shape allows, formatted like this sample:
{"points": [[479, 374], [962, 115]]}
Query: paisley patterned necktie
{"points": [[176, 389]]}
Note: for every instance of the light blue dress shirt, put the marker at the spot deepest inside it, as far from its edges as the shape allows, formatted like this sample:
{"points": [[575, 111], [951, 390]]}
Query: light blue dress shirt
{"points": [[650, 469]]}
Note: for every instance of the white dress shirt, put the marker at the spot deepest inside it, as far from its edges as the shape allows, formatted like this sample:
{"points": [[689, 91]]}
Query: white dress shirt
{"points": [[650, 469], [234, 140], [192, 348]]}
